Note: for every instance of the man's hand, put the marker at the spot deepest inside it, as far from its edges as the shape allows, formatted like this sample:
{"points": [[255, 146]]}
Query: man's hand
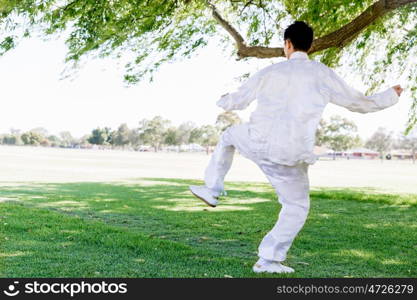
{"points": [[398, 89]]}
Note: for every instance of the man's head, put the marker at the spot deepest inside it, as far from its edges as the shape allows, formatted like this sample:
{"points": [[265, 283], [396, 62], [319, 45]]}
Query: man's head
{"points": [[297, 37]]}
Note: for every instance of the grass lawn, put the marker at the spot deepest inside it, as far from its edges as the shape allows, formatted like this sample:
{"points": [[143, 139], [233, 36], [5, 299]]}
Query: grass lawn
{"points": [[153, 227]]}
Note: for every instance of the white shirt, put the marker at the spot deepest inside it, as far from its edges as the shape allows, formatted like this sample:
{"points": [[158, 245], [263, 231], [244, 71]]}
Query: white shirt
{"points": [[291, 98]]}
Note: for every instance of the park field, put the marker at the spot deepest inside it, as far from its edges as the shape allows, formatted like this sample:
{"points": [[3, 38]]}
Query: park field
{"points": [[92, 213]]}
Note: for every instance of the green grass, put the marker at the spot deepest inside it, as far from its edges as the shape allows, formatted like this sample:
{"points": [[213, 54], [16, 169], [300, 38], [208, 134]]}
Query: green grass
{"points": [[155, 228]]}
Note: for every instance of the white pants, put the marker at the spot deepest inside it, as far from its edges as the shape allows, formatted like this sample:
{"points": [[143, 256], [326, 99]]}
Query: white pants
{"points": [[290, 183]]}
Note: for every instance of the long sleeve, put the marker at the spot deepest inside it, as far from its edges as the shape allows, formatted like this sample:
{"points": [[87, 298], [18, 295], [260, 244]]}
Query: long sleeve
{"points": [[343, 95], [244, 95]]}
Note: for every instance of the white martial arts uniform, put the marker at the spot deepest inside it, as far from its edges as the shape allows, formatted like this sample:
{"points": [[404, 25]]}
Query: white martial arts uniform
{"points": [[280, 135]]}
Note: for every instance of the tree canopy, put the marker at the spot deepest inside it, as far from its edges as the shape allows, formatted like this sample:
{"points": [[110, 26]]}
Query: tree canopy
{"points": [[380, 141], [227, 119], [376, 37], [340, 134]]}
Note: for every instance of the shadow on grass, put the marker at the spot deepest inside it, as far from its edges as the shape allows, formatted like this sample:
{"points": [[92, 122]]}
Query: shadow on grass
{"points": [[154, 227]]}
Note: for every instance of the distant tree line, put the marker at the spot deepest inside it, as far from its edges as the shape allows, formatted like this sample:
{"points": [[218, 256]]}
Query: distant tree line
{"points": [[155, 133], [383, 141], [337, 134], [340, 134]]}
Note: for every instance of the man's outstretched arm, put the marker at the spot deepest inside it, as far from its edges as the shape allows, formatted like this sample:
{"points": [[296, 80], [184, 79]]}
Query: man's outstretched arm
{"points": [[343, 95], [244, 95]]}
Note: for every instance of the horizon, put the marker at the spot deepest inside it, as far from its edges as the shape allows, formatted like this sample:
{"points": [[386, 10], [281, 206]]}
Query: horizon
{"points": [[395, 134]]}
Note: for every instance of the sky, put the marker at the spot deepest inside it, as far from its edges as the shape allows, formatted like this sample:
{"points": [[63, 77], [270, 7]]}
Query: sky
{"points": [[33, 93]]}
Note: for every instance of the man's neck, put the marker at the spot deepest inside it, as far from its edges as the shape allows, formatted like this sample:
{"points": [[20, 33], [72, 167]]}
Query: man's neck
{"points": [[298, 54]]}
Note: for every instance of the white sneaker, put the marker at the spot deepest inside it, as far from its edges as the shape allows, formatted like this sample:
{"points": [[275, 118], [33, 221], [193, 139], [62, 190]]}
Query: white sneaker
{"points": [[204, 193], [263, 266]]}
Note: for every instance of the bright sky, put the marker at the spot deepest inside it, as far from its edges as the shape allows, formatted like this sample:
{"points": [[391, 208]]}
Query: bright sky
{"points": [[33, 94]]}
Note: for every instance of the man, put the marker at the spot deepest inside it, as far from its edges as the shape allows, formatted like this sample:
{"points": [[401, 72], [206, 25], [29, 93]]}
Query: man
{"points": [[280, 135]]}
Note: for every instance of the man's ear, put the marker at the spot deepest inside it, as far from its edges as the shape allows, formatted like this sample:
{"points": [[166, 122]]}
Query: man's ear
{"points": [[289, 45], [286, 43]]}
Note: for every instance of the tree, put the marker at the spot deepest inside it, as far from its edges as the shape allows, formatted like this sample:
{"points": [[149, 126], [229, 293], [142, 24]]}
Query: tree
{"points": [[184, 132], [8, 139], [15, 136], [53, 141], [67, 139], [32, 138], [376, 35], [134, 137], [320, 133], [380, 141], [227, 119], [41, 131], [181, 135], [121, 136], [100, 136], [153, 131], [410, 143], [83, 142], [171, 137], [195, 135], [206, 136], [339, 134]]}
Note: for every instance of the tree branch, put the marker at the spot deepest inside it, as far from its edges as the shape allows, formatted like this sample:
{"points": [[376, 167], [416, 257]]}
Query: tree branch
{"points": [[240, 42], [242, 49], [338, 38]]}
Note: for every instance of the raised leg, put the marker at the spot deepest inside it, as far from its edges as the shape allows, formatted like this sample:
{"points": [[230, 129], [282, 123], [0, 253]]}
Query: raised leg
{"points": [[220, 163]]}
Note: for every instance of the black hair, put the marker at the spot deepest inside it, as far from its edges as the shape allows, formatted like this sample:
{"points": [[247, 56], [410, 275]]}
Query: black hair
{"points": [[300, 35]]}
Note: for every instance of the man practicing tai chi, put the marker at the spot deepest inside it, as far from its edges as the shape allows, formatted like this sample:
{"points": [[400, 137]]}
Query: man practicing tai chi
{"points": [[280, 135]]}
